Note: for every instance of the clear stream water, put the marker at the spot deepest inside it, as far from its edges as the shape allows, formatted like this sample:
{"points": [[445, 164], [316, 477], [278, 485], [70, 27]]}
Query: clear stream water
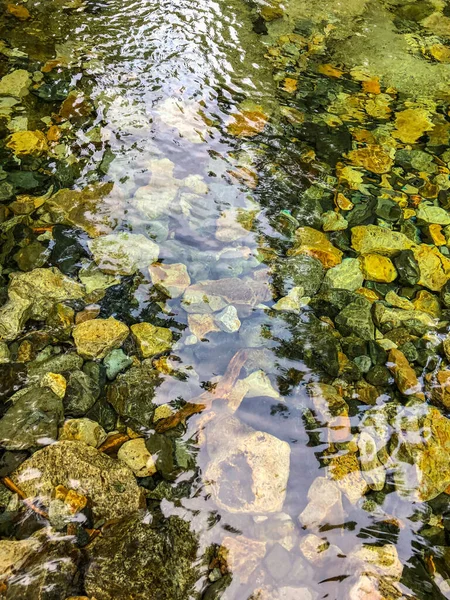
{"points": [[224, 127]]}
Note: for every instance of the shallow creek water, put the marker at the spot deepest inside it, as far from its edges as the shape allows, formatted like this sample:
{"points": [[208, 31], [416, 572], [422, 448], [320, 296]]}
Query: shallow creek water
{"points": [[225, 300]]}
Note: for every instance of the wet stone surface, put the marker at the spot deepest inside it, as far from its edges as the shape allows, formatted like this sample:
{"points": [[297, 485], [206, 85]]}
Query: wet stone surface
{"points": [[225, 300]]}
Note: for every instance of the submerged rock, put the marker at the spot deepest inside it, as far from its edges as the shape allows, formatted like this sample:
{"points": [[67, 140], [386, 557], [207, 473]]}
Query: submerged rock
{"points": [[151, 340], [135, 455], [171, 279], [123, 253], [315, 243], [83, 430], [299, 271], [96, 338], [109, 484], [324, 505], [249, 469], [139, 558], [32, 295], [15, 84], [373, 239], [346, 276], [33, 420], [28, 143]]}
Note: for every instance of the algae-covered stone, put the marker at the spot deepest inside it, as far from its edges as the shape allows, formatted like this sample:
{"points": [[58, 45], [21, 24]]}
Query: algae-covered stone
{"points": [[171, 279], [374, 158], [411, 124], [346, 276], [140, 557], [132, 392], [332, 221], [344, 470], [378, 268], [123, 253], [151, 340], [372, 469], [390, 318], [15, 84], [356, 318], [135, 455], [299, 271], [407, 268], [83, 430], [109, 484], [315, 243], [96, 338], [371, 239], [33, 420], [259, 464], [28, 143]]}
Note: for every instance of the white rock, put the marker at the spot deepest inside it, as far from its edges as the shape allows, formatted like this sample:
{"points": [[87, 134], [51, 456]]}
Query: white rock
{"points": [[258, 462], [228, 320], [123, 253], [325, 504], [259, 384]]}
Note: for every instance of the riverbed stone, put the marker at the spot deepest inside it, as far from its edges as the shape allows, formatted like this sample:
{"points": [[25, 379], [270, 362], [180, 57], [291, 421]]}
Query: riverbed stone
{"points": [[378, 268], [151, 340], [258, 461], [109, 484], [160, 555], [123, 253], [171, 279], [347, 276], [227, 319], [434, 267], [370, 239], [372, 470], [316, 244], [356, 318], [33, 420], [28, 143], [31, 295], [83, 430], [116, 362], [136, 456], [324, 505], [428, 213], [404, 375], [299, 271], [96, 338], [15, 84]]}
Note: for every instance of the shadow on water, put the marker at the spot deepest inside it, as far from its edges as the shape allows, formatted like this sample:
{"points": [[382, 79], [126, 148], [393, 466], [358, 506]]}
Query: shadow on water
{"points": [[225, 300]]}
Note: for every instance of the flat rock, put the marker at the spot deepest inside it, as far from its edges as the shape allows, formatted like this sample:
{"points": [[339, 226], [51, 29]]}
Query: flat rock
{"points": [[96, 338], [378, 268], [123, 253], [324, 504], [33, 420], [28, 143], [214, 295], [108, 483], [428, 213], [434, 267]]}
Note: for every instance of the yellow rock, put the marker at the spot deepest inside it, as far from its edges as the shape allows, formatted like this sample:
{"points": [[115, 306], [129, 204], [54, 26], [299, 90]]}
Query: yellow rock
{"points": [[427, 302], [96, 338], [372, 158], [28, 143], [436, 235], [434, 267], [343, 203], [411, 124], [19, 11], [344, 469], [368, 239], [290, 85], [248, 123], [56, 382], [151, 340], [378, 268], [371, 295], [404, 375], [163, 411], [440, 52], [315, 243]]}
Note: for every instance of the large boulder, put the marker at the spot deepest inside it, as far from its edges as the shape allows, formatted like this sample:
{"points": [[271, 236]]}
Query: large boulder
{"points": [[108, 483], [139, 558]]}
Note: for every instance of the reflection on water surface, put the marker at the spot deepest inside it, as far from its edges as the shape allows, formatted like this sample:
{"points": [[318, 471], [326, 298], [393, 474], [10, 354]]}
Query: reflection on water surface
{"points": [[225, 304]]}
